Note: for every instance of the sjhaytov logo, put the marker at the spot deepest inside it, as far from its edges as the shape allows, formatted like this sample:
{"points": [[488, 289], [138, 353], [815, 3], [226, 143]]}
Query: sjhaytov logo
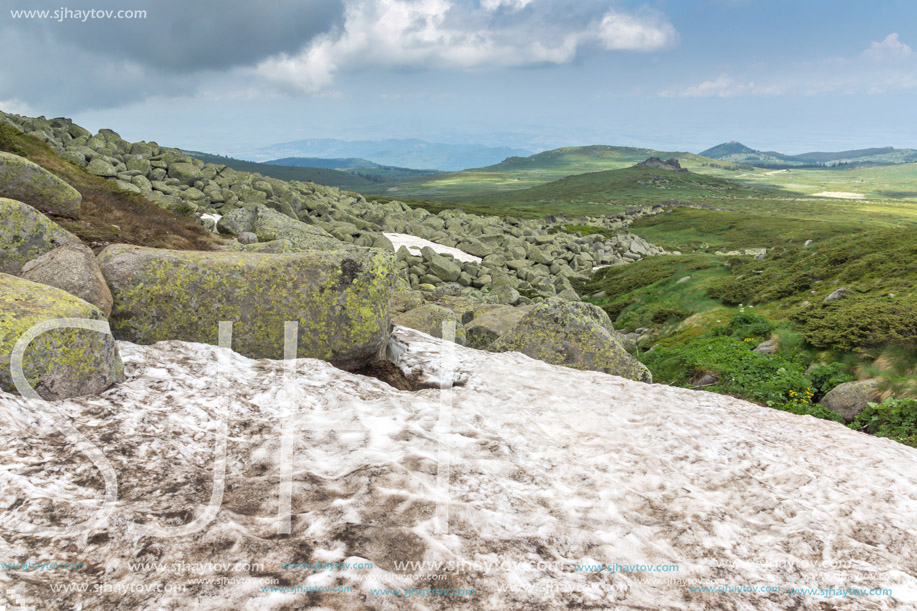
{"points": [[64, 425]]}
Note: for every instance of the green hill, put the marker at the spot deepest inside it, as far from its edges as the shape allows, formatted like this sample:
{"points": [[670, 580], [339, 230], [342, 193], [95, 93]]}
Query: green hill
{"points": [[603, 192], [739, 153], [519, 173]]}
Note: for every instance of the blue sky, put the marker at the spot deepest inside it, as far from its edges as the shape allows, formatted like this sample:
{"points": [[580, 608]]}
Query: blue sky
{"points": [[229, 76]]}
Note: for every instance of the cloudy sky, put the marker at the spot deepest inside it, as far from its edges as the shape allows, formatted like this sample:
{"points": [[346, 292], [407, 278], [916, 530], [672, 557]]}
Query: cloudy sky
{"points": [[230, 76]]}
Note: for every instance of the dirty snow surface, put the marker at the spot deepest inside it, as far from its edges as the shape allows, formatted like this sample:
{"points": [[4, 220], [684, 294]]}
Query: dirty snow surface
{"points": [[414, 244], [518, 484]]}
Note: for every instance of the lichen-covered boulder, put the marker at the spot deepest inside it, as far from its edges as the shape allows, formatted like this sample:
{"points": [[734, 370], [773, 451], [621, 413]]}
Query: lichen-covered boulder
{"points": [[27, 182], [429, 319], [61, 363], [851, 398], [269, 225], [72, 268], [340, 299], [237, 221], [25, 234], [573, 334], [492, 322]]}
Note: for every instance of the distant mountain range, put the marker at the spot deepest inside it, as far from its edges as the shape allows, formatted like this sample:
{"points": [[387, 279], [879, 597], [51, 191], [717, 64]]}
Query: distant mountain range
{"points": [[405, 153], [737, 152]]}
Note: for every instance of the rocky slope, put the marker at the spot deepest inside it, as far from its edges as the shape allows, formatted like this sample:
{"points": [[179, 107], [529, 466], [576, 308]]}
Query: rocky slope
{"points": [[522, 253], [527, 477]]}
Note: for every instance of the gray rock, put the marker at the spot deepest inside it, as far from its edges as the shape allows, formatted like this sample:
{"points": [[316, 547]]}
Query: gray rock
{"points": [[490, 322], [851, 398], [574, 335], [340, 299], [247, 237], [429, 319], [271, 225], [837, 295], [445, 269], [72, 268], [236, 221], [26, 234], [60, 363], [768, 347], [100, 167], [31, 184]]}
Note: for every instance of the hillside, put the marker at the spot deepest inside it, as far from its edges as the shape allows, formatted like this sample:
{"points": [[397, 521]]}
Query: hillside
{"points": [[737, 152], [519, 173], [603, 192]]}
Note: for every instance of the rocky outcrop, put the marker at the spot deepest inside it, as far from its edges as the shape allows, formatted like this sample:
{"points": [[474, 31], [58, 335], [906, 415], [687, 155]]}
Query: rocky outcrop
{"points": [[655, 163], [72, 268], [60, 363], [340, 299], [851, 398], [22, 180], [26, 234], [573, 334]]}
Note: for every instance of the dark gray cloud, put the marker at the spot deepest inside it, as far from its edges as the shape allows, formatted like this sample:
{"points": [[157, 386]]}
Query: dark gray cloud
{"points": [[108, 62]]}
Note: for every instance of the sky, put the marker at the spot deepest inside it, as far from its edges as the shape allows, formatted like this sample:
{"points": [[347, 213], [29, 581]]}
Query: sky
{"points": [[228, 77]]}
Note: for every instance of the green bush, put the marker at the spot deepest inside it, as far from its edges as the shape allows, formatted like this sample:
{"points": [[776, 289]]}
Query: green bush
{"points": [[860, 322], [749, 324], [826, 377], [893, 418]]}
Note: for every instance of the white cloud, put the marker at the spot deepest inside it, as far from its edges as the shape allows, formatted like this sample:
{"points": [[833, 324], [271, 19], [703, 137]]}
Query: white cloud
{"points": [[443, 34], [890, 48], [723, 86], [889, 65], [620, 31], [514, 5]]}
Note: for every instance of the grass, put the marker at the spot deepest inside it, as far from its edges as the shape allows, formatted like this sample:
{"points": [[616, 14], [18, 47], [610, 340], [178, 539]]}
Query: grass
{"points": [[109, 215]]}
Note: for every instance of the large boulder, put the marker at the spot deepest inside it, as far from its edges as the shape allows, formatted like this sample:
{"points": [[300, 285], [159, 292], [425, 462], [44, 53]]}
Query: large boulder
{"points": [[22, 180], [429, 319], [60, 363], [491, 322], [269, 225], [25, 234], [72, 268], [340, 299], [573, 334], [851, 398]]}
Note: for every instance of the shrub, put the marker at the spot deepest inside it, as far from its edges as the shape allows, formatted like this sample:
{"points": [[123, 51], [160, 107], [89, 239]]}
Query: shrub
{"points": [[860, 322], [826, 377], [893, 418]]}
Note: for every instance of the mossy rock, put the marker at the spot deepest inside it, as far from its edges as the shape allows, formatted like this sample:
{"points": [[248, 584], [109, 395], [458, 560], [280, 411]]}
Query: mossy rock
{"points": [[340, 299], [492, 322], [429, 319], [61, 363], [26, 234], [24, 181], [572, 334], [269, 225]]}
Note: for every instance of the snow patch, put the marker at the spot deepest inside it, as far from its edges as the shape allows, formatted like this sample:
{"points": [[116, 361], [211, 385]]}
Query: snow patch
{"points": [[414, 244], [550, 468]]}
